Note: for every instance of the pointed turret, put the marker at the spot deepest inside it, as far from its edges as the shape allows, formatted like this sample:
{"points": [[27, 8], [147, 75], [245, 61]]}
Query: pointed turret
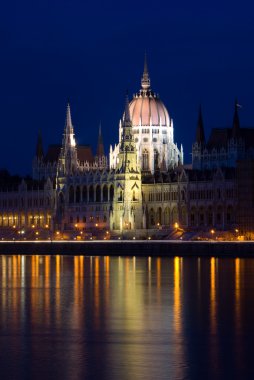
{"points": [[236, 122], [100, 145], [127, 203], [39, 147], [200, 133], [68, 162], [126, 116], [145, 81], [68, 122]]}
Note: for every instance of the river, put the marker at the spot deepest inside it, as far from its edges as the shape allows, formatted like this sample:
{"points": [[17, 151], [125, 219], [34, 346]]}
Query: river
{"points": [[126, 318]]}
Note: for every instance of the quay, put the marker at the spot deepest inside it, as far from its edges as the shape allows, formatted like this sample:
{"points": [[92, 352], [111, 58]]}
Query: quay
{"points": [[153, 248]]}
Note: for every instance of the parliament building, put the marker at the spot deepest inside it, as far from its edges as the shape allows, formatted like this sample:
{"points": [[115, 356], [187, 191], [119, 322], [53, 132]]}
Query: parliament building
{"points": [[143, 187]]}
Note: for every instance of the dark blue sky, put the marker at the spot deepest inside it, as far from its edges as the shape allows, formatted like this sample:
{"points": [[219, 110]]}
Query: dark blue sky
{"points": [[92, 51]]}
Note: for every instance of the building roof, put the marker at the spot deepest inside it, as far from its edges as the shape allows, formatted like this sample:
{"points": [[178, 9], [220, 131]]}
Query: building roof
{"points": [[219, 137], [84, 153]]}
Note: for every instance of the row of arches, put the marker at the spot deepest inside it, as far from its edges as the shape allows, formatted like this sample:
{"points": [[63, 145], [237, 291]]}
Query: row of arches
{"points": [[145, 159], [91, 194], [167, 216], [210, 216]]}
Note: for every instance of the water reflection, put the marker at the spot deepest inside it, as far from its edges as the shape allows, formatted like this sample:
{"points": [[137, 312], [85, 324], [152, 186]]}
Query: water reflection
{"points": [[126, 318]]}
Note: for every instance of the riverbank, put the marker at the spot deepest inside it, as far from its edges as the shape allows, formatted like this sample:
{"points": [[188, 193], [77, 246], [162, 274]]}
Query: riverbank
{"points": [[130, 248]]}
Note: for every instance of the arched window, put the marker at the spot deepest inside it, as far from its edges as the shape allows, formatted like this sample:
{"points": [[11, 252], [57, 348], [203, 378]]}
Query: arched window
{"points": [[105, 193], [91, 194], [77, 194], [111, 193], [120, 195], [145, 160], [156, 159], [152, 221], [71, 194], [98, 193], [84, 194]]}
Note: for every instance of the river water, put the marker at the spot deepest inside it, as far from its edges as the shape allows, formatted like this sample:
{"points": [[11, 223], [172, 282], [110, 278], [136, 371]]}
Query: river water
{"points": [[77, 317]]}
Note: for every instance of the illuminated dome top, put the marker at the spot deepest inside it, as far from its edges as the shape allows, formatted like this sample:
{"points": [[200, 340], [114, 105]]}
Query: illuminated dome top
{"points": [[146, 108]]}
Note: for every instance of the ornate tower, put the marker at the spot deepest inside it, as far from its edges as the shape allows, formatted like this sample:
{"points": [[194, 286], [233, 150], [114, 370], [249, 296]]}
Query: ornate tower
{"points": [[68, 162], [38, 161], [101, 158], [100, 145], [199, 144], [67, 167], [127, 204]]}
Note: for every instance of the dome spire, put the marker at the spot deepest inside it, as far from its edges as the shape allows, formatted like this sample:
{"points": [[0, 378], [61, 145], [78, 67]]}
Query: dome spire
{"points": [[145, 81]]}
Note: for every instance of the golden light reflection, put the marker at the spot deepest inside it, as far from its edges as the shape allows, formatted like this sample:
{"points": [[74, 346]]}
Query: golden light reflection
{"points": [[149, 273], [106, 269], [106, 280], [213, 305], [237, 292], [158, 272], [177, 294], [47, 287], [58, 290], [97, 290], [4, 280]]}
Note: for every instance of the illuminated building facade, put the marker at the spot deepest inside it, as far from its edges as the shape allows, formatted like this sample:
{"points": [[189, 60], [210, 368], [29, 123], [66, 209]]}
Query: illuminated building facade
{"points": [[143, 186]]}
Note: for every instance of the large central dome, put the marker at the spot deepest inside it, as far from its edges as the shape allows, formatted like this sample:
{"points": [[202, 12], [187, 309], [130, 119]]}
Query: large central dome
{"points": [[146, 108], [152, 129]]}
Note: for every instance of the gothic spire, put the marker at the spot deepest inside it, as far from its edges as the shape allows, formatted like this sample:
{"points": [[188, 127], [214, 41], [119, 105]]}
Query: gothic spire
{"points": [[200, 133], [68, 122], [145, 81], [39, 147], [69, 132], [236, 122], [100, 145], [127, 118]]}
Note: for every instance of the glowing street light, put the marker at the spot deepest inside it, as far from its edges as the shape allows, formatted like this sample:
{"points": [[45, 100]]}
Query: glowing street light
{"points": [[176, 225]]}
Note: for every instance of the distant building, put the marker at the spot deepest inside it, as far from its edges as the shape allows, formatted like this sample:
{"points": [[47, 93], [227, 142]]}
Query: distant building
{"points": [[224, 147]]}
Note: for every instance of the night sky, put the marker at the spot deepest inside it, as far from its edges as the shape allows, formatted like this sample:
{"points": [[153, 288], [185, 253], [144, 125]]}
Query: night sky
{"points": [[92, 51]]}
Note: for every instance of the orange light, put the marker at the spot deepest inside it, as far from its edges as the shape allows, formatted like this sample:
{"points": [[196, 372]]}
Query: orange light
{"points": [[176, 225]]}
